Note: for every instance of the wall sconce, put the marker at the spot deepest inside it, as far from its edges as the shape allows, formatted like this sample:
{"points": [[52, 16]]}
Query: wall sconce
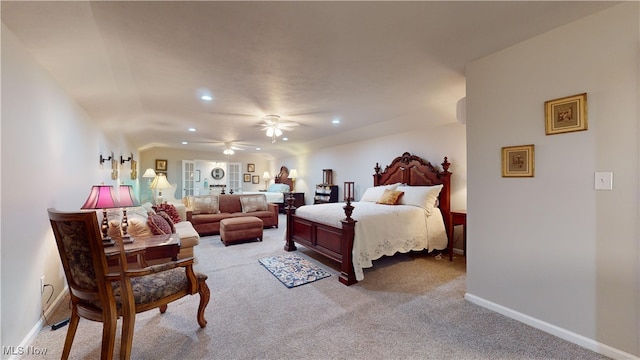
{"points": [[123, 160], [103, 159]]}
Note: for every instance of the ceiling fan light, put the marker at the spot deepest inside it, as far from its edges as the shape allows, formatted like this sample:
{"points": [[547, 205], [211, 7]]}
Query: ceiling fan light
{"points": [[270, 132], [278, 132]]}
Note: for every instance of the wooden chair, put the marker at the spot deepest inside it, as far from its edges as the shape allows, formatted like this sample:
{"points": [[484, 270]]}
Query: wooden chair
{"points": [[98, 295]]}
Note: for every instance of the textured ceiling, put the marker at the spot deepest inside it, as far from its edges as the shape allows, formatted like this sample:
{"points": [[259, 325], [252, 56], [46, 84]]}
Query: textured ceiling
{"points": [[139, 67]]}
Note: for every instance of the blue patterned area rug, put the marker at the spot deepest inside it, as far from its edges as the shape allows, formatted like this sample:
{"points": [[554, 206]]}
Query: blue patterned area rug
{"points": [[292, 270]]}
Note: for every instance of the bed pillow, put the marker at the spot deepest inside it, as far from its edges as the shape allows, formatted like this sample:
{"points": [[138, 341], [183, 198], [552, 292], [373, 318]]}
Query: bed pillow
{"points": [[205, 204], [425, 197], [390, 197], [374, 193], [283, 188], [251, 203]]}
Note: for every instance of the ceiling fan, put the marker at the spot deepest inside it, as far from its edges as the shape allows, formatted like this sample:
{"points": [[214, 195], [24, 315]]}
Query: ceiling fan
{"points": [[229, 147], [274, 126]]}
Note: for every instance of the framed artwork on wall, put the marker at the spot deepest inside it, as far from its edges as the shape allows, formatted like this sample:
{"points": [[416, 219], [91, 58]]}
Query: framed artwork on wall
{"points": [[134, 169], [255, 179], [114, 167], [566, 114], [161, 165], [518, 161], [197, 175], [251, 167], [247, 178]]}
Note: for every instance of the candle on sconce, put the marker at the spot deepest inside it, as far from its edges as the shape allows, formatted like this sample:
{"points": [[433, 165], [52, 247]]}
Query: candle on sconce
{"points": [[348, 191]]}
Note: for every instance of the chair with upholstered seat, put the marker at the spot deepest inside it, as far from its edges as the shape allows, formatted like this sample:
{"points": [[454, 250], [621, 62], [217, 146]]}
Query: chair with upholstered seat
{"points": [[98, 295]]}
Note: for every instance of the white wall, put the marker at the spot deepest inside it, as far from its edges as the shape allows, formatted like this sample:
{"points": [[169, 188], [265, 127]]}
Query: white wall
{"points": [[50, 151], [550, 250]]}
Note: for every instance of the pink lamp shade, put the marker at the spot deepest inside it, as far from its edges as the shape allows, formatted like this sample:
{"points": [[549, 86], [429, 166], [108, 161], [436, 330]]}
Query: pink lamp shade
{"points": [[101, 197], [127, 198]]}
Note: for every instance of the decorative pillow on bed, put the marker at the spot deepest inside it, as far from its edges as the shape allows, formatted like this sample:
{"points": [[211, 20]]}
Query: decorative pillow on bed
{"points": [[390, 197], [421, 196], [205, 204], [251, 203], [283, 188], [374, 193]]}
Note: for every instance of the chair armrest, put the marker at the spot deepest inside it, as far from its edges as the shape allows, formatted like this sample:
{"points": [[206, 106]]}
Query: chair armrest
{"points": [[189, 214]]}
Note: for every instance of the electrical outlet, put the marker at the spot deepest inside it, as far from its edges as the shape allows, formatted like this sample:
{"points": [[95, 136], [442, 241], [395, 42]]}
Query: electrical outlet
{"points": [[41, 284]]}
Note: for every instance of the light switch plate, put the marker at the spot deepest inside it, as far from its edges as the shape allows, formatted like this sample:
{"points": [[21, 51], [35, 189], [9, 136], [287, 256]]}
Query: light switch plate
{"points": [[604, 180]]}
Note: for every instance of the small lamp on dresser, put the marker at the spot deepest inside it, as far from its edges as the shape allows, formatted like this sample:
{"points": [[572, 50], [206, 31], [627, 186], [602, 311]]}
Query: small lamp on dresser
{"points": [[349, 191], [266, 176], [293, 174]]}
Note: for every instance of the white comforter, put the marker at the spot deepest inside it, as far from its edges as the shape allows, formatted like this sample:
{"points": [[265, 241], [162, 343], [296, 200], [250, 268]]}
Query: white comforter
{"points": [[383, 229], [272, 197]]}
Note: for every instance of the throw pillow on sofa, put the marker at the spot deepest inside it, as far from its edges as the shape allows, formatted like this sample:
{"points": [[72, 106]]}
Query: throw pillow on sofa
{"points": [[171, 210], [168, 220], [158, 225], [204, 204], [251, 203]]}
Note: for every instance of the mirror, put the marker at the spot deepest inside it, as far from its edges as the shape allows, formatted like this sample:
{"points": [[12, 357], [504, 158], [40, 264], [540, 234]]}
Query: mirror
{"points": [[217, 173]]}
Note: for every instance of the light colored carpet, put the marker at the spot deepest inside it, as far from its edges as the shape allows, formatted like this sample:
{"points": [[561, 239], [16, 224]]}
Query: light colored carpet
{"points": [[409, 306]]}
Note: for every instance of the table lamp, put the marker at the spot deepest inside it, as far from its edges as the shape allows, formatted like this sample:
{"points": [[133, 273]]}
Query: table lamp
{"points": [[293, 174], [127, 199], [160, 182], [102, 197], [149, 174], [266, 176]]}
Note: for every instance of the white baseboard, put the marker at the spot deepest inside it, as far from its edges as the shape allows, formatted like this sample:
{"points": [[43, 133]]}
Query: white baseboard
{"points": [[552, 329], [38, 326]]}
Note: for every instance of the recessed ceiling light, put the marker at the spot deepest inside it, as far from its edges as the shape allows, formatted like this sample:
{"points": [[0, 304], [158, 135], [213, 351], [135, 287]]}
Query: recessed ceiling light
{"points": [[192, 129], [335, 121], [184, 143], [258, 148], [285, 139], [206, 97]]}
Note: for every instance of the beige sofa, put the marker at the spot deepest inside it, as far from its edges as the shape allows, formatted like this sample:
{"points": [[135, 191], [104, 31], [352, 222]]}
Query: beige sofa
{"points": [[138, 226], [205, 212]]}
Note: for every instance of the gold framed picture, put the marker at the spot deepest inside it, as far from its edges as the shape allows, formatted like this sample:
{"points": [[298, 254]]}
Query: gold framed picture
{"points": [[255, 179], [566, 114], [247, 178], [114, 168], [518, 161], [134, 169], [161, 165], [251, 167]]}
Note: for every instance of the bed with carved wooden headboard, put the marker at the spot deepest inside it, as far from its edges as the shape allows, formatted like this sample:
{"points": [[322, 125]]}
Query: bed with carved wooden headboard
{"points": [[406, 210]]}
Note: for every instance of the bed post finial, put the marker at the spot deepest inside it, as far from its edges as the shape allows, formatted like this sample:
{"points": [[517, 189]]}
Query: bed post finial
{"points": [[445, 165]]}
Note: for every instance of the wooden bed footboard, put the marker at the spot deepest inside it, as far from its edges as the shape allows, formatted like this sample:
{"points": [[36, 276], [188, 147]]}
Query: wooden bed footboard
{"points": [[337, 243], [330, 241]]}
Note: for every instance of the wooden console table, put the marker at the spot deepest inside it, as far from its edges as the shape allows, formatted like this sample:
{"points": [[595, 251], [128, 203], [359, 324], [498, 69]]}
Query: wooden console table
{"points": [[147, 248], [458, 217]]}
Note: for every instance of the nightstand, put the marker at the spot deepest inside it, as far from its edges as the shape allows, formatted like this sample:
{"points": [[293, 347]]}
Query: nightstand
{"points": [[297, 202], [458, 217]]}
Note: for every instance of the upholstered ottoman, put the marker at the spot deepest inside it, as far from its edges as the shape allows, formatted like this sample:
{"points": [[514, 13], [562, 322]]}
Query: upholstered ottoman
{"points": [[238, 229]]}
